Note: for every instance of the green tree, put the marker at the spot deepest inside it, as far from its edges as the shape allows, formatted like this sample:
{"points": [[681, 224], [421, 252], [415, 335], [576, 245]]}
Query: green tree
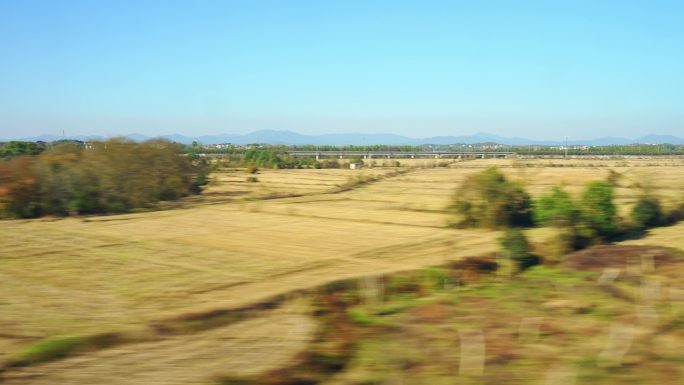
{"points": [[647, 212], [17, 148], [556, 208], [112, 176], [598, 209], [488, 199]]}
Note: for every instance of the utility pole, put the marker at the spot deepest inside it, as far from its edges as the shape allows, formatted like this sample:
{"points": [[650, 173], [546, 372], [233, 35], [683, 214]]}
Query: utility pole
{"points": [[566, 147]]}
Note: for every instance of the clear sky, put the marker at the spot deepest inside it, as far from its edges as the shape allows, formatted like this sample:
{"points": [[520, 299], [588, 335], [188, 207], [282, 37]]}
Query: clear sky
{"points": [[539, 69]]}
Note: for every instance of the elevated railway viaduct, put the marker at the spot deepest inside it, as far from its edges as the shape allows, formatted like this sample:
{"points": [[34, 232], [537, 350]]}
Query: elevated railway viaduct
{"points": [[402, 154]]}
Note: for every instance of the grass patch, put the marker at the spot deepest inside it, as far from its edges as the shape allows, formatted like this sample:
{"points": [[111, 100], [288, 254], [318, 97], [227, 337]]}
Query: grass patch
{"points": [[59, 348]]}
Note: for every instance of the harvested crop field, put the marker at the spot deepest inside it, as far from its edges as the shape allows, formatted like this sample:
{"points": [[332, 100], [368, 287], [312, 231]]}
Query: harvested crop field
{"points": [[239, 245], [193, 358]]}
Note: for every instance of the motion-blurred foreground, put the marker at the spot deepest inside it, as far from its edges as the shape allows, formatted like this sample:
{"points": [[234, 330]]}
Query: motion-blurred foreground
{"points": [[339, 276]]}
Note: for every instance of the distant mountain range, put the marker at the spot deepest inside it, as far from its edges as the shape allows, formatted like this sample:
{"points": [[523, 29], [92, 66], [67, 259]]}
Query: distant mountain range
{"points": [[292, 138]]}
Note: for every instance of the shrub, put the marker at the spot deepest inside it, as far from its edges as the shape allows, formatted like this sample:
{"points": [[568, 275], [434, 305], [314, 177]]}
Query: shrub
{"points": [[515, 244], [252, 179], [557, 209], [674, 215], [647, 212], [488, 199], [598, 209]]}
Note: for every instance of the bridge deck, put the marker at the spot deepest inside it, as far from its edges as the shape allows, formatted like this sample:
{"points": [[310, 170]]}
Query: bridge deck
{"points": [[403, 154]]}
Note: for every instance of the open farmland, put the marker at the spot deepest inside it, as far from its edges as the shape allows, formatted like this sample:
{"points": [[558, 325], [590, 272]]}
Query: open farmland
{"points": [[238, 246], [230, 185]]}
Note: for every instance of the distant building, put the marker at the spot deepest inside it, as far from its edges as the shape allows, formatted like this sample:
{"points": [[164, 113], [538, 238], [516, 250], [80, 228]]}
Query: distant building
{"points": [[355, 166]]}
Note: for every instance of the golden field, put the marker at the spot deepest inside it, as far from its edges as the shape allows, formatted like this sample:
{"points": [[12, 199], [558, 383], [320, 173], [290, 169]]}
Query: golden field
{"points": [[241, 244]]}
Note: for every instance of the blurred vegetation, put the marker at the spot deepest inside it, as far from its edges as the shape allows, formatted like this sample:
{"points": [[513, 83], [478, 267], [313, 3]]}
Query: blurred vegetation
{"points": [[413, 331], [647, 212], [598, 209], [556, 208], [487, 199], [277, 159], [113, 176], [59, 348], [518, 248], [17, 148]]}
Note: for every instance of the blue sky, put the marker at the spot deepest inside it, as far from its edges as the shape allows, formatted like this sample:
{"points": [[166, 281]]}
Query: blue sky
{"points": [[540, 69]]}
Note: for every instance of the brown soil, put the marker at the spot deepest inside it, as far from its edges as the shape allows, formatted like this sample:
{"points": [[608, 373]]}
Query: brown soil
{"points": [[617, 256]]}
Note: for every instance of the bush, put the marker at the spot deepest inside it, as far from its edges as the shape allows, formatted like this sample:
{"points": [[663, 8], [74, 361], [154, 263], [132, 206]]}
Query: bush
{"points": [[252, 179], [647, 212], [674, 215], [557, 209], [487, 199], [515, 244], [598, 209]]}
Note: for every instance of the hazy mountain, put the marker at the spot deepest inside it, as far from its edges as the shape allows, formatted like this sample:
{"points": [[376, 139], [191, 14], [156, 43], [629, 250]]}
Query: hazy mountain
{"points": [[658, 139], [290, 137]]}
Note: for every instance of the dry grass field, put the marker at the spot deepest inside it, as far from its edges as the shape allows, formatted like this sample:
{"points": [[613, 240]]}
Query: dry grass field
{"points": [[188, 359], [238, 245]]}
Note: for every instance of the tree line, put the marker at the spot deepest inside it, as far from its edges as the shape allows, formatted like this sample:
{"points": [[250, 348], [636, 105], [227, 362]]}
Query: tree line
{"points": [[16, 148], [110, 176], [488, 199]]}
